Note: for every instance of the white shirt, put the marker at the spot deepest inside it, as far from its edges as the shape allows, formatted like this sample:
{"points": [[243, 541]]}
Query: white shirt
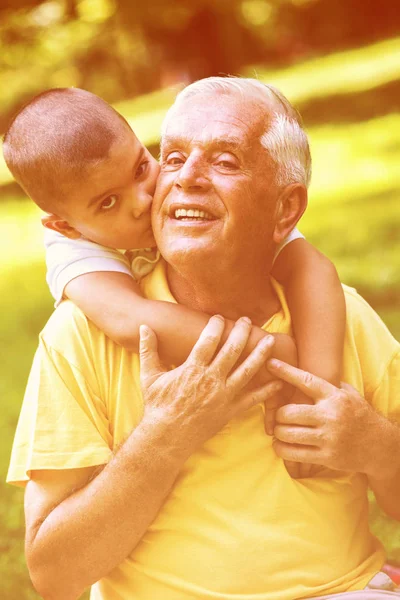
{"points": [[67, 259]]}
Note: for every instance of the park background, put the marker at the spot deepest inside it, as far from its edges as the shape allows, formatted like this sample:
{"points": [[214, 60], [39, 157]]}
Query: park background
{"points": [[338, 62]]}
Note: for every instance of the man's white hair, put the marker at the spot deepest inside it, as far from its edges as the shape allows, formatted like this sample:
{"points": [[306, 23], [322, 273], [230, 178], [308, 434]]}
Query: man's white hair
{"points": [[285, 139]]}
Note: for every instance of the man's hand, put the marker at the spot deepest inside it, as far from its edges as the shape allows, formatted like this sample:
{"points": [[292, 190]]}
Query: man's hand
{"points": [[340, 430], [197, 399]]}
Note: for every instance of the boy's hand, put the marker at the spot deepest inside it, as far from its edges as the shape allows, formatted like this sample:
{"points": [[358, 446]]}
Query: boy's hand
{"points": [[287, 395], [295, 469], [271, 407], [284, 348], [290, 395]]}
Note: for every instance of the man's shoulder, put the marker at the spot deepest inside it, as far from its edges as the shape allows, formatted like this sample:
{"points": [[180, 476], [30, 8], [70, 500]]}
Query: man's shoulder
{"points": [[68, 326], [367, 332], [359, 313], [356, 306], [66, 314]]}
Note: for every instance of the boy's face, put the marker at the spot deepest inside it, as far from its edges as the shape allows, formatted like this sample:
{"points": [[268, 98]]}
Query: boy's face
{"points": [[110, 203]]}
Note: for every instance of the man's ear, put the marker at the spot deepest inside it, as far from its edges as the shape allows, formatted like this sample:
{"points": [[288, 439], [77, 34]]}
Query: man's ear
{"points": [[291, 205], [60, 225]]}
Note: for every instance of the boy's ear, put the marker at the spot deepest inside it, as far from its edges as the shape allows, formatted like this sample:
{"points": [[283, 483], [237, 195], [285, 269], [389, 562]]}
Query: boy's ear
{"points": [[291, 205], [60, 225]]}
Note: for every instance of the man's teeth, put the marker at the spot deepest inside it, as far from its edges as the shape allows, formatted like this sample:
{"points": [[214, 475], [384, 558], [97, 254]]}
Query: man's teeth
{"points": [[182, 212]]}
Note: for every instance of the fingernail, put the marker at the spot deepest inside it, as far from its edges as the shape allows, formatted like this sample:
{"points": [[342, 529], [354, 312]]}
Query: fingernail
{"points": [[220, 317], [143, 331], [272, 362], [247, 320], [269, 429]]}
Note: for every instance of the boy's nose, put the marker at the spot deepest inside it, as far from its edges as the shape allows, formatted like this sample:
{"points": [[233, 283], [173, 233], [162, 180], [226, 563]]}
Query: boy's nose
{"points": [[141, 203]]}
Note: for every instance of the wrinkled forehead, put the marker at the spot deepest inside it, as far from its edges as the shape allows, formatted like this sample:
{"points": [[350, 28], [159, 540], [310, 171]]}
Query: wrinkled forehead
{"points": [[215, 117]]}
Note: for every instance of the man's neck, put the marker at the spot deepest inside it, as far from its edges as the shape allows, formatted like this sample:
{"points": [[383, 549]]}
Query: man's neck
{"points": [[232, 296]]}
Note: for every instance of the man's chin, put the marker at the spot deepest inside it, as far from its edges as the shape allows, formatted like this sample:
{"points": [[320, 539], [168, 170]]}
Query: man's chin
{"points": [[182, 250]]}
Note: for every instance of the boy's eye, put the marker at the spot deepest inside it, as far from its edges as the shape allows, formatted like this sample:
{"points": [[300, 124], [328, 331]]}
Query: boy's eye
{"points": [[108, 202], [141, 169]]}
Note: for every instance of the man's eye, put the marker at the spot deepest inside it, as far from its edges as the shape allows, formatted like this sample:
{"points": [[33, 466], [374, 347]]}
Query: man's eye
{"points": [[142, 168], [174, 159], [227, 161], [109, 202], [227, 164]]}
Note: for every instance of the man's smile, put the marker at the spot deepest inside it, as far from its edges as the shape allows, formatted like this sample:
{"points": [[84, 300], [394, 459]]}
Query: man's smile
{"points": [[182, 213], [192, 213]]}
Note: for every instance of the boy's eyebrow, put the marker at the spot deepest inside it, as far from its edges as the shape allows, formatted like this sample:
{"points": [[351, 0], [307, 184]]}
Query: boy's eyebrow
{"points": [[106, 192]]}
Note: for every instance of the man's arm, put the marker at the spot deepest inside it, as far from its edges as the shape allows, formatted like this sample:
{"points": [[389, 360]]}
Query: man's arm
{"points": [[103, 520], [74, 538], [340, 431]]}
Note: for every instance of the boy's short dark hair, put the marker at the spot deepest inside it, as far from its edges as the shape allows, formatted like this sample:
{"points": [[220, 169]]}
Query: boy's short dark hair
{"points": [[54, 137]]}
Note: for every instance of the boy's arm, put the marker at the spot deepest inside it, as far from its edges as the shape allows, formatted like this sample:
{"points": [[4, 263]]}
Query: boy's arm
{"points": [[114, 302], [316, 302]]}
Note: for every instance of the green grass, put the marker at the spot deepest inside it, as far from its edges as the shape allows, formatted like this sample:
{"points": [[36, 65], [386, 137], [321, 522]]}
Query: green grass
{"points": [[353, 217], [355, 193]]}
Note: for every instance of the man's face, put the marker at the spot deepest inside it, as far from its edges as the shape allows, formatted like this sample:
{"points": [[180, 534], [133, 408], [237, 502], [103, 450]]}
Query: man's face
{"points": [[216, 193], [111, 203]]}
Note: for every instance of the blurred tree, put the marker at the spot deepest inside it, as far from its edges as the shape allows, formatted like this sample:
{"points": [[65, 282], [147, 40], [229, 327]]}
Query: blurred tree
{"points": [[193, 40], [120, 48], [322, 26]]}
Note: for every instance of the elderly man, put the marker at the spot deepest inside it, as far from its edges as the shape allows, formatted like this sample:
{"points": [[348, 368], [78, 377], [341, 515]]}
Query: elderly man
{"points": [[196, 501]]}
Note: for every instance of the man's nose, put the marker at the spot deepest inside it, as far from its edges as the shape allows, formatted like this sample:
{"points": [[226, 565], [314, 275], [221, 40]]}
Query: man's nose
{"points": [[193, 175], [141, 202]]}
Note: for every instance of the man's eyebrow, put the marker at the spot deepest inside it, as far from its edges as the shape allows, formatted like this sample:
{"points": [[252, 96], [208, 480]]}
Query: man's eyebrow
{"points": [[229, 143], [104, 194]]}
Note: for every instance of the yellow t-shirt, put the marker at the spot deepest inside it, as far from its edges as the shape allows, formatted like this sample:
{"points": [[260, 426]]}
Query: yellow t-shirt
{"points": [[236, 526]]}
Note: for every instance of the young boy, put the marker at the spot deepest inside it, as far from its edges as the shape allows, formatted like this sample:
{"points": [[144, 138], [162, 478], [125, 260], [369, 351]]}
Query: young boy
{"points": [[79, 160]]}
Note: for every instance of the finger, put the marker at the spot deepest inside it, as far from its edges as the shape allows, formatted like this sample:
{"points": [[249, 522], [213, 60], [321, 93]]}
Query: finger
{"points": [[150, 364], [304, 436], [298, 414], [312, 386], [208, 342], [303, 454], [252, 364], [230, 352], [268, 391], [271, 408]]}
